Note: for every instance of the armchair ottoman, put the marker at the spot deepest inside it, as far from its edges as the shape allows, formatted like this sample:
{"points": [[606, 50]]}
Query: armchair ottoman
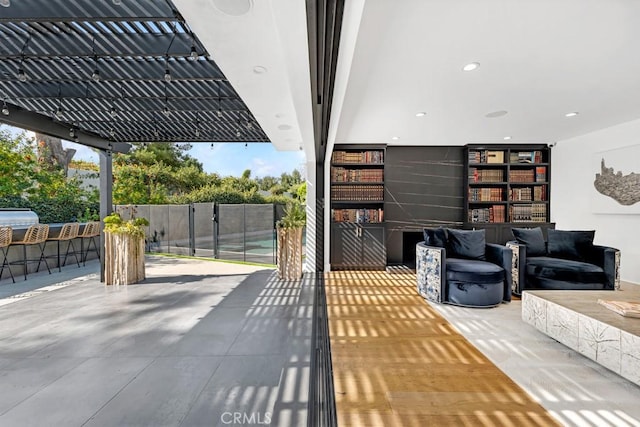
{"points": [[458, 267]]}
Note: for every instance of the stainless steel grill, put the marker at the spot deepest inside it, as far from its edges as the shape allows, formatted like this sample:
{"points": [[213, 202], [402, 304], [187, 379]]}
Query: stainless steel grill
{"points": [[18, 217]]}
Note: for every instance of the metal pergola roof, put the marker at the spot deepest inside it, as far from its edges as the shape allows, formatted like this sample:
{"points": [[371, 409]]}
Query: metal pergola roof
{"points": [[117, 71]]}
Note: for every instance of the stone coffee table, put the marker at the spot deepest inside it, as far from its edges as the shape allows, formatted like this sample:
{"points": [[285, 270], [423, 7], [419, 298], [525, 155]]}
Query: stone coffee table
{"points": [[575, 319]]}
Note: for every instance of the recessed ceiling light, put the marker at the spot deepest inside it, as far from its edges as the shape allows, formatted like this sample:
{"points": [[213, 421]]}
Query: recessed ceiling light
{"points": [[284, 127], [495, 114], [259, 69], [233, 7], [571, 114], [507, 138], [471, 66], [421, 114], [395, 138]]}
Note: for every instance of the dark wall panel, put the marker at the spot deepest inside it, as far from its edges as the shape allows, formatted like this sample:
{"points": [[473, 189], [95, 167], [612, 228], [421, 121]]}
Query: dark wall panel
{"points": [[423, 188]]}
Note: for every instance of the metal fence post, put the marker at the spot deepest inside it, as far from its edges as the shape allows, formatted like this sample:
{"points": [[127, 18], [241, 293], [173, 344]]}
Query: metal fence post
{"points": [[274, 236], [192, 229], [215, 220]]}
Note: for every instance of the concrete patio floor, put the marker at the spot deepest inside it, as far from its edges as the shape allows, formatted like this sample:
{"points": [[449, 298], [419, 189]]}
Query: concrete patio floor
{"points": [[198, 343]]}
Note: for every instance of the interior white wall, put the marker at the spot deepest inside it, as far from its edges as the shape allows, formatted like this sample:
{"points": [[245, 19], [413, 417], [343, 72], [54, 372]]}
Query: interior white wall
{"points": [[572, 176]]}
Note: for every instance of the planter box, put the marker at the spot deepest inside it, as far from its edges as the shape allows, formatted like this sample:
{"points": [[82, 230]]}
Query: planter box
{"points": [[289, 255], [124, 259]]}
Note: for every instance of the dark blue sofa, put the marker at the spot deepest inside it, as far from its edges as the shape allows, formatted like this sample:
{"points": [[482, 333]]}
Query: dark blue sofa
{"points": [[566, 260]]}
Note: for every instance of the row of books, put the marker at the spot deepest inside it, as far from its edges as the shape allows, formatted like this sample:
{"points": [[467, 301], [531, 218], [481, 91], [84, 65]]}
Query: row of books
{"points": [[525, 156], [526, 175], [493, 194], [495, 213], [362, 157], [357, 215], [339, 174], [365, 193], [534, 212], [524, 194], [486, 156], [486, 175], [539, 174], [528, 194]]}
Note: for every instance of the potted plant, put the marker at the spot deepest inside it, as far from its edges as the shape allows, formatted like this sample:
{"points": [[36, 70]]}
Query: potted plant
{"points": [[289, 231], [124, 249]]}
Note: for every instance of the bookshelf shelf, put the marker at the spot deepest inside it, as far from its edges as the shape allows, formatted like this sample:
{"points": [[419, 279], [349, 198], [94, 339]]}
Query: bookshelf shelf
{"points": [[506, 184], [358, 183], [357, 207]]}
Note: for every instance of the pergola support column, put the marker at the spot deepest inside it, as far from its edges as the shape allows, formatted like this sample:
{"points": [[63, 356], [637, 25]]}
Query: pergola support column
{"points": [[106, 198]]}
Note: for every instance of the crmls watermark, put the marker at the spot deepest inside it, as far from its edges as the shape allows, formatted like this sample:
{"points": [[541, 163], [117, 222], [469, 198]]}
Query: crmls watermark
{"points": [[246, 418]]}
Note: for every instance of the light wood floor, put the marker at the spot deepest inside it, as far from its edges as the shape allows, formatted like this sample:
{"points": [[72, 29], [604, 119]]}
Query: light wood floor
{"points": [[397, 362]]}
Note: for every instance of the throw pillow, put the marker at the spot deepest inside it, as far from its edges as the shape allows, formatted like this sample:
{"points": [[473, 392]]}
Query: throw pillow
{"points": [[435, 237], [532, 238], [570, 244], [468, 244]]}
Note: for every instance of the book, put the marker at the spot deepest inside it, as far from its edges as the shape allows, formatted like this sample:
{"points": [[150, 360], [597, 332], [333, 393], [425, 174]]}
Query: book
{"points": [[624, 308]]}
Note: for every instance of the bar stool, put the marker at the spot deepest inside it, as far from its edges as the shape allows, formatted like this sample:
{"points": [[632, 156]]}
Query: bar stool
{"points": [[91, 231], [36, 235], [68, 232], [6, 234]]}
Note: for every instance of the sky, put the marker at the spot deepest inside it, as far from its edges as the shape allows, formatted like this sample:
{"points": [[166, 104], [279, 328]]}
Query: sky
{"points": [[229, 159]]}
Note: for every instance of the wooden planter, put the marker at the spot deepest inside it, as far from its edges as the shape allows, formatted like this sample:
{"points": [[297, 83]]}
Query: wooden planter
{"points": [[289, 256], [124, 259]]}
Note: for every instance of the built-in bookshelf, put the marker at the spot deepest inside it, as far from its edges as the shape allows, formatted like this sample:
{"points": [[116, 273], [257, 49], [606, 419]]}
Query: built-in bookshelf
{"points": [[357, 185], [507, 184], [357, 207]]}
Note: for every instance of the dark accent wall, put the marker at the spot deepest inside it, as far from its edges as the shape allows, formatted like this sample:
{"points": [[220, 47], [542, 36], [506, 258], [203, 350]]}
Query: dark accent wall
{"points": [[423, 188]]}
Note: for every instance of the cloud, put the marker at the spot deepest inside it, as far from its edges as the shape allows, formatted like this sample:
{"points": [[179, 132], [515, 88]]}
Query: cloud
{"points": [[260, 167]]}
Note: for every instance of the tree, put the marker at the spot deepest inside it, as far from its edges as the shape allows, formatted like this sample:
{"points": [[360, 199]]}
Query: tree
{"points": [[17, 165], [266, 183], [154, 173], [52, 154], [172, 155], [25, 182], [289, 180]]}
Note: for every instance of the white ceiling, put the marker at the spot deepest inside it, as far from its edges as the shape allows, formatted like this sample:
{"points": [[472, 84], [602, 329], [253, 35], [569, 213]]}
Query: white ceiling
{"points": [[241, 35], [539, 59]]}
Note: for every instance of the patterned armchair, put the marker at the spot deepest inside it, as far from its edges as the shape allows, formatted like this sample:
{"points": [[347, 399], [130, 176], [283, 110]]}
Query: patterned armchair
{"points": [[459, 267]]}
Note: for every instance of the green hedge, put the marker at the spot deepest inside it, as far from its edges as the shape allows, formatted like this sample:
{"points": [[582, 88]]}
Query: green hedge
{"points": [[54, 210]]}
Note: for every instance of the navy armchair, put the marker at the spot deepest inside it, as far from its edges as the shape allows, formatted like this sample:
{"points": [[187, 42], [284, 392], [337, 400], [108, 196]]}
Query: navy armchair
{"points": [[458, 267]]}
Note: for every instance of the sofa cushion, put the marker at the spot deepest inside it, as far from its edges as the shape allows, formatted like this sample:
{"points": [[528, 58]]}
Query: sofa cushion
{"points": [[473, 271], [532, 238], [564, 270], [435, 237], [468, 244], [573, 245]]}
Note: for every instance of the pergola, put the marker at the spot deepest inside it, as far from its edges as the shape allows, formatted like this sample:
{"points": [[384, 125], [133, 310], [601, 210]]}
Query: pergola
{"points": [[105, 73]]}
